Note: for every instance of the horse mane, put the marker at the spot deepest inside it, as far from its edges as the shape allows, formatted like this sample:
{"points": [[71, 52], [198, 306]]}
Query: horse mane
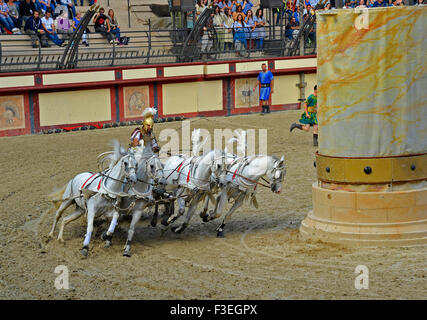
{"points": [[118, 153]]}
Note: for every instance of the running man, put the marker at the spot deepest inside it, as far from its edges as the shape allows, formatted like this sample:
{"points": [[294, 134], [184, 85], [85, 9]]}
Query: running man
{"points": [[309, 117], [266, 82]]}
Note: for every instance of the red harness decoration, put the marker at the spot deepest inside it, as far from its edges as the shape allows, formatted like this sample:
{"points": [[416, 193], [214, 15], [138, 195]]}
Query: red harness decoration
{"points": [[179, 168], [99, 184], [234, 175], [87, 181], [188, 175]]}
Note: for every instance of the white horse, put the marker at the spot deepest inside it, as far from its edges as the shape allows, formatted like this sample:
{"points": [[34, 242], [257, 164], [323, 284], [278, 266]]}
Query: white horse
{"points": [[192, 178], [241, 181], [139, 197], [96, 193]]}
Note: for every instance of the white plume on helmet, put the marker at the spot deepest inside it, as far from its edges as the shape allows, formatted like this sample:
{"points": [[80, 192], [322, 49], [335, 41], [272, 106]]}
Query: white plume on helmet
{"points": [[149, 112]]}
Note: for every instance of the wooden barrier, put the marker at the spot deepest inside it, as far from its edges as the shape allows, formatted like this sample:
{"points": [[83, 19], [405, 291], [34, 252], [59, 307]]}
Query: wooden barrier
{"points": [[33, 102]]}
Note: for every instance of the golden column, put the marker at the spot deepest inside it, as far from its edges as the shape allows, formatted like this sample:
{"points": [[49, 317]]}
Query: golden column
{"points": [[372, 112]]}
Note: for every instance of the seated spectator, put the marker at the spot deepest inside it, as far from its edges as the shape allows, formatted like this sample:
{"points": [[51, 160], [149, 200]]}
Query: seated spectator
{"points": [[48, 25], [70, 6], [291, 29], [59, 10], [42, 5], [76, 22], [102, 25], [380, 3], [114, 26], [361, 4], [63, 26], [34, 28], [228, 33], [75, 3], [5, 19], [238, 12], [259, 28], [14, 13], [239, 34], [27, 9]]}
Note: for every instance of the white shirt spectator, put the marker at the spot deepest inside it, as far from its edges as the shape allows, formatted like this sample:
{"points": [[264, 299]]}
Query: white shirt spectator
{"points": [[47, 22]]}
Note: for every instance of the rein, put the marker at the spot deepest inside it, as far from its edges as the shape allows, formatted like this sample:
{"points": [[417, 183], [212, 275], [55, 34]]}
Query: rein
{"points": [[250, 180]]}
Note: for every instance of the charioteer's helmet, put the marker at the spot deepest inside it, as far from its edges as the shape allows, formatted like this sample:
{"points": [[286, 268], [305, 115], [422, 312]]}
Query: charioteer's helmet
{"points": [[148, 123]]}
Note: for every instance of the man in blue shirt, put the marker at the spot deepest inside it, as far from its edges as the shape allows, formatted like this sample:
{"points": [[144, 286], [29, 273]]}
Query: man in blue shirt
{"points": [[266, 82]]}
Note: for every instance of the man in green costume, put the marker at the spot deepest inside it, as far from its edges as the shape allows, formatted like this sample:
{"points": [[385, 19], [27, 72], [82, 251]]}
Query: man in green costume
{"points": [[309, 117]]}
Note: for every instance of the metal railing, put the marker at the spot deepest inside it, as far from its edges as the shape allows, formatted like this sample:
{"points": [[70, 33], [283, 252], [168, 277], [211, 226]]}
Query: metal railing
{"points": [[152, 46]]}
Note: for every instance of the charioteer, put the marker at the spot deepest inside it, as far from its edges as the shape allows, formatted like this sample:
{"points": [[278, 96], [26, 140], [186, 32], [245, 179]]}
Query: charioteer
{"points": [[146, 133]]}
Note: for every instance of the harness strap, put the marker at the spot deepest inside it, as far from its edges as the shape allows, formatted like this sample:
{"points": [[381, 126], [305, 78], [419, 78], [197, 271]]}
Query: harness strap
{"points": [[84, 184], [180, 166]]}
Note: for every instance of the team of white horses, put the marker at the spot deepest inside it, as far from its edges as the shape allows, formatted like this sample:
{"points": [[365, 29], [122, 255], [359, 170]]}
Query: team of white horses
{"points": [[136, 179]]}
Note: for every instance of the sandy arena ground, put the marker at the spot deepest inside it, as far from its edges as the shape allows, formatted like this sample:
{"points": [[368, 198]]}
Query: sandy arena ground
{"points": [[261, 257]]}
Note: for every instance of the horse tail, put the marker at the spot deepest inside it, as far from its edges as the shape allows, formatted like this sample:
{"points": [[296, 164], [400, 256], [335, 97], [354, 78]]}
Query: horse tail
{"points": [[56, 196]]}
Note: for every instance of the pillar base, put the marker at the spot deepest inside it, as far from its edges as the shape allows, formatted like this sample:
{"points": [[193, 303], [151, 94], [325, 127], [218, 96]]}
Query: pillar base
{"points": [[368, 218]]}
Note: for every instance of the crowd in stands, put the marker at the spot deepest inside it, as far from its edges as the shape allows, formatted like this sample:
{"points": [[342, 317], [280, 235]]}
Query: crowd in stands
{"points": [[240, 25], [47, 19]]}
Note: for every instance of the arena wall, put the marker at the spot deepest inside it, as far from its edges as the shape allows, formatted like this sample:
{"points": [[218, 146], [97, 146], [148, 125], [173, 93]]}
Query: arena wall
{"points": [[34, 102]]}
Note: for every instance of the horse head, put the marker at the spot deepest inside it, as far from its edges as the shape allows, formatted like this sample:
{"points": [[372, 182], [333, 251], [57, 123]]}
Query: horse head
{"points": [[276, 174], [154, 168], [130, 166]]}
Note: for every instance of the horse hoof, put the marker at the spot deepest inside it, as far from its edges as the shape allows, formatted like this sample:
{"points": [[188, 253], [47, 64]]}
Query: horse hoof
{"points": [[127, 253], [107, 244], [206, 219], [177, 230], [220, 234], [104, 236], [153, 223], [203, 214], [85, 251]]}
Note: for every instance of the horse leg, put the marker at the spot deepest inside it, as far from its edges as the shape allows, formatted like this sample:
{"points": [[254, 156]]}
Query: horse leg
{"points": [[203, 214], [89, 230], [219, 205], [155, 215], [107, 236], [64, 205], [181, 210], [76, 214], [191, 209], [237, 204], [169, 209], [135, 218]]}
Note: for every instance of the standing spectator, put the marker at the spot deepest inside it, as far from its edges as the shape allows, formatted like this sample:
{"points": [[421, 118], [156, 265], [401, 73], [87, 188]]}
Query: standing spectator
{"points": [[218, 23], [14, 13], [265, 81], [27, 9], [102, 25], [5, 18], [70, 6], [49, 26], [228, 25], [200, 7], [239, 34], [114, 26], [81, 3], [63, 25], [259, 28], [76, 22], [207, 36], [34, 28], [250, 33]]}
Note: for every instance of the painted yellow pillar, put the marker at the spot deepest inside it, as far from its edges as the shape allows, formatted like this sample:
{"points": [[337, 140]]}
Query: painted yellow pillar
{"points": [[372, 113]]}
